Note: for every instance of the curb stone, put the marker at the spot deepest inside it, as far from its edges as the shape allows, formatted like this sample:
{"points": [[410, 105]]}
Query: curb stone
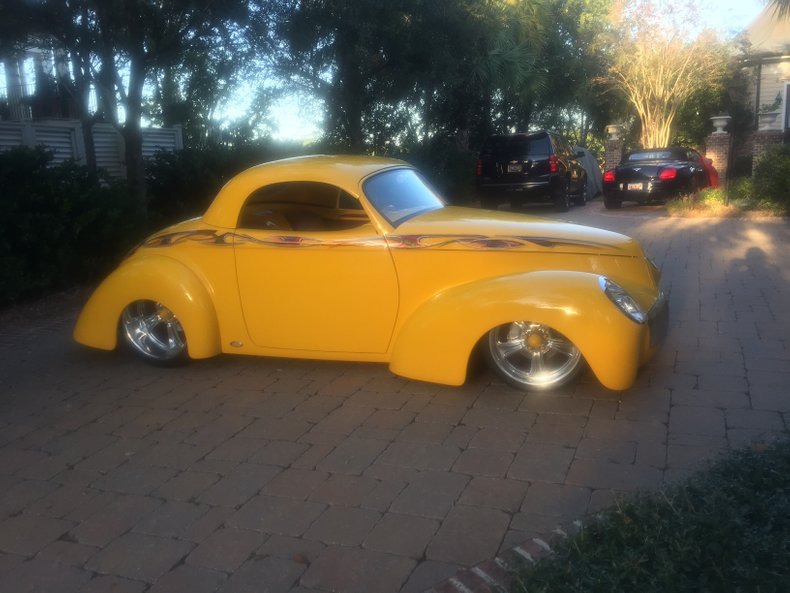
{"points": [[494, 575]]}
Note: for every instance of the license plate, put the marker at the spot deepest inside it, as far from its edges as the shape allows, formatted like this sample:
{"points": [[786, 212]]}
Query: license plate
{"points": [[634, 187], [514, 168]]}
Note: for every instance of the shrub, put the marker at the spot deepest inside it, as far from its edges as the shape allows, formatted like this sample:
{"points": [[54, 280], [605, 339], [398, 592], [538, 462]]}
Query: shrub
{"points": [[772, 176], [711, 196], [182, 184], [61, 225]]}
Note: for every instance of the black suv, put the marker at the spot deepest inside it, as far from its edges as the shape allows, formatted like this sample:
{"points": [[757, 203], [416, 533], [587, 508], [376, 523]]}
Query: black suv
{"points": [[540, 166]]}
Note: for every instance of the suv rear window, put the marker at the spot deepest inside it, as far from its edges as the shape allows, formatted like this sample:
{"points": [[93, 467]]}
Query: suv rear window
{"points": [[517, 145]]}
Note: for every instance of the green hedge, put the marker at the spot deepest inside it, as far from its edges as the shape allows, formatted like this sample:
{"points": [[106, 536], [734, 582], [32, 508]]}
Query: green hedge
{"points": [[772, 176], [61, 225], [182, 184]]}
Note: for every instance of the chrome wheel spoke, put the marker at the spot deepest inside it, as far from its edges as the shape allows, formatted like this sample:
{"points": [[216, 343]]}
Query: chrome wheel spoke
{"points": [[510, 346], [537, 368], [562, 346], [149, 322], [173, 339]]}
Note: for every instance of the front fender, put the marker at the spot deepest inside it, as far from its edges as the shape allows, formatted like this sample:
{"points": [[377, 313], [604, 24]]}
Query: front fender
{"points": [[151, 277], [435, 343]]}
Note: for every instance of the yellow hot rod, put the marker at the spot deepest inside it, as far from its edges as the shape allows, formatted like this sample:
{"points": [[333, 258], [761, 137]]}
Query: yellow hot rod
{"points": [[357, 258]]}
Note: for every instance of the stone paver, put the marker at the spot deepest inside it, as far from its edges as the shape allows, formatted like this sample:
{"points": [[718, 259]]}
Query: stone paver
{"points": [[238, 474]]}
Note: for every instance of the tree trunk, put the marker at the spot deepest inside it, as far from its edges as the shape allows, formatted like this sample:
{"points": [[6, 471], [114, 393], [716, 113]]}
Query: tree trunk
{"points": [[132, 133]]}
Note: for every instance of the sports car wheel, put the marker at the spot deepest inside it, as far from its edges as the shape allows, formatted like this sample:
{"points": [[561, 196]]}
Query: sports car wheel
{"points": [[153, 333], [532, 356]]}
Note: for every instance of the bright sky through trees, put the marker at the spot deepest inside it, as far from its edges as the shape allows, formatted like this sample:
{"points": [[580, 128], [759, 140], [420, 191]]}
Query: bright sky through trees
{"points": [[300, 119]]}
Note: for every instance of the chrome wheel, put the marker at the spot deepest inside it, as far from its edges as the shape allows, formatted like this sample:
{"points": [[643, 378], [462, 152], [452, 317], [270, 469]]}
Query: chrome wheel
{"points": [[153, 332], [532, 356]]}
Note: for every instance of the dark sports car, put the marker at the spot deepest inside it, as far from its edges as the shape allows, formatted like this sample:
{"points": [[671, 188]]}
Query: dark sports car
{"points": [[656, 174]]}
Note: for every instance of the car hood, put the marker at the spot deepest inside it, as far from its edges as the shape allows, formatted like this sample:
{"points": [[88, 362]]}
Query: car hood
{"points": [[474, 229]]}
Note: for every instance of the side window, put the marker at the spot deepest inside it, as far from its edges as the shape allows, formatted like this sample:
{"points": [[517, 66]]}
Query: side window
{"points": [[301, 206], [693, 156]]}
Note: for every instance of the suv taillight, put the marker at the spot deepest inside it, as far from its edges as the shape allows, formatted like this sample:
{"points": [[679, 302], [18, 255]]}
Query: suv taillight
{"points": [[479, 168], [608, 177], [553, 164]]}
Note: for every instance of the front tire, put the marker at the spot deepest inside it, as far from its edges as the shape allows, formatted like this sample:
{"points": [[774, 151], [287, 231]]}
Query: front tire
{"points": [[153, 333], [532, 356]]}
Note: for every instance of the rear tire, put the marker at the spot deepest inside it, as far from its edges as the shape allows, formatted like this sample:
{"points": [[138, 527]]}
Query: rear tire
{"points": [[612, 203], [562, 201], [581, 200]]}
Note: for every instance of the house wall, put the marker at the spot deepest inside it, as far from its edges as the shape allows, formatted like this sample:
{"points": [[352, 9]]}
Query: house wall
{"points": [[64, 138]]}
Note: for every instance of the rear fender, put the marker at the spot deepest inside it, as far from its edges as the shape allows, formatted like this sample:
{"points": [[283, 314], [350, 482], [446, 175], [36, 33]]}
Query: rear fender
{"points": [[435, 343], [158, 278]]}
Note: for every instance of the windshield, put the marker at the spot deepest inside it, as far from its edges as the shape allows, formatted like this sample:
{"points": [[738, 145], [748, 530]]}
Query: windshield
{"points": [[400, 194]]}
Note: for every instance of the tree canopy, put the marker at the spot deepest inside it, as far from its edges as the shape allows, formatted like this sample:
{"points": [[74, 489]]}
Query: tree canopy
{"points": [[387, 76]]}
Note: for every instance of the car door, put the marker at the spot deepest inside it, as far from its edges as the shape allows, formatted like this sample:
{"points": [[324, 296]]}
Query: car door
{"points": [[314, 283]]}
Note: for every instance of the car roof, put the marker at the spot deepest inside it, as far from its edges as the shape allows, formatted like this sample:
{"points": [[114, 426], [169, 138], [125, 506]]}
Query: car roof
{"points": [[344, 171]]}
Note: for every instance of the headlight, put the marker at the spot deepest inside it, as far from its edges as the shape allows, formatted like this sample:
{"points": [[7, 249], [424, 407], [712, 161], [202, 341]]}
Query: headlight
{"points": [[622, 299]]}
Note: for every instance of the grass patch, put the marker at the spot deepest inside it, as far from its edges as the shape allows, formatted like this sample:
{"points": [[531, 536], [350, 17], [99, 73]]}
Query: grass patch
{"points": [[727, 529], [739, 200]]}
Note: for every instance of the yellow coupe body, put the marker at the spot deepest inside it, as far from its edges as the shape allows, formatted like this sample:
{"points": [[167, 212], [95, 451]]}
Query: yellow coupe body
{"points": [[356, 258]]}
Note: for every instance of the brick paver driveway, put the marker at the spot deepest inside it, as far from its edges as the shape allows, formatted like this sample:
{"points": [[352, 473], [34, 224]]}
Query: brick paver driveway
{"points": [[242, 474]]}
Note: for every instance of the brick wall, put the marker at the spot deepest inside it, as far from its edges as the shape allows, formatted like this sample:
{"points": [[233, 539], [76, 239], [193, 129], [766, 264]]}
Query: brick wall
{"points": [[717, 148], [613, 152]]}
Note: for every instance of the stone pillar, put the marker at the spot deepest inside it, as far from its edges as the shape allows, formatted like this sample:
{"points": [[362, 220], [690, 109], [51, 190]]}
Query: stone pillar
{"points": [[763, 139], [717, 149], [613, 146]]}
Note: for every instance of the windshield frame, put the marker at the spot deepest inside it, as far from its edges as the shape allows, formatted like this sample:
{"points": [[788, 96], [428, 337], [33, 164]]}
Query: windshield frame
{"points": [[401, 215]]}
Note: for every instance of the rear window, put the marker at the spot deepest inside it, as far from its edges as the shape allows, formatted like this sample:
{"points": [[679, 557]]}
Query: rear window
{"points": [[519, 145], [655, 155]]}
